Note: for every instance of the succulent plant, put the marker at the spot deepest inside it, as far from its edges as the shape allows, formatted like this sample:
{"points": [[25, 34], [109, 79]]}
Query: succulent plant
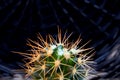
{"points": [[57, 59]]}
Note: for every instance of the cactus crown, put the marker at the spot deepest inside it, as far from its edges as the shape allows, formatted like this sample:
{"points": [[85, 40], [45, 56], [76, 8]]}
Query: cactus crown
{"points": [[51, 59]]}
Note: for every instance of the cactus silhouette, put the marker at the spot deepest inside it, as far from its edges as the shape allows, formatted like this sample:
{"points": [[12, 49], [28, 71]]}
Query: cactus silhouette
{"points": [[57, 59]]}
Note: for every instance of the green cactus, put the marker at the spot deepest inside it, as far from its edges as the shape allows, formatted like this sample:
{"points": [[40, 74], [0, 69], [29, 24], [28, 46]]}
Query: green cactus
{"points": [[51, 59]]}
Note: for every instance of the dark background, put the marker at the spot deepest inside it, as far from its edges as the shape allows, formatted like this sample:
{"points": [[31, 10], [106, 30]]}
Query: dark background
{"points": [[96, 20]]}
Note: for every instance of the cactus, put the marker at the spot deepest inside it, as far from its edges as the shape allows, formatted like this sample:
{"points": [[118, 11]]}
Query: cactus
{"points": [[51, 59]]}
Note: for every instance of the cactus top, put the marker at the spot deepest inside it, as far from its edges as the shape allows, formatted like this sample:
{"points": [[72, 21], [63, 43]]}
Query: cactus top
{"points": [[51, 59]]}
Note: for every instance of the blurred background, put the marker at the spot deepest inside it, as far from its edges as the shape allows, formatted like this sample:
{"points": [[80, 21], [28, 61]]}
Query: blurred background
{"points": [[95, 20]]}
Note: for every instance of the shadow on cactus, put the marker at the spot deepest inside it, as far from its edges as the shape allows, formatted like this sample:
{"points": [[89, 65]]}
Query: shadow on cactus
{"points": [[58, 59]]}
